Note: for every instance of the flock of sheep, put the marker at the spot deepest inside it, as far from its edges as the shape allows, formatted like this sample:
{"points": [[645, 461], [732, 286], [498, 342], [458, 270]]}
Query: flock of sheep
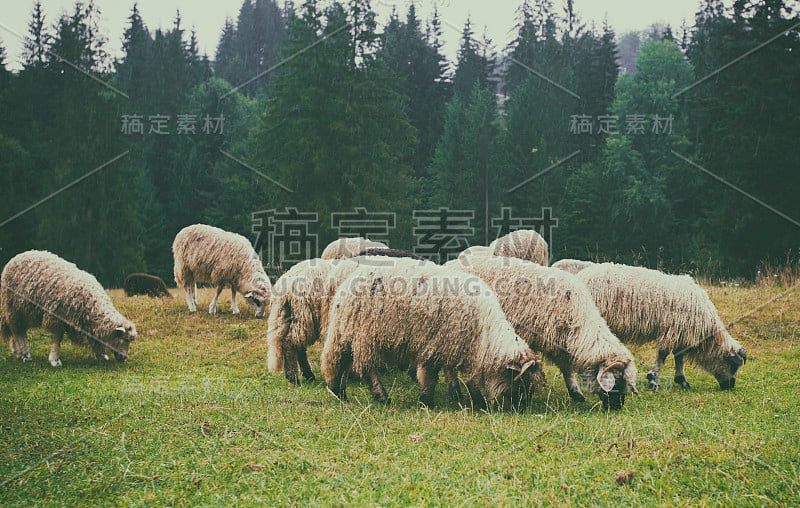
{"points": [[481, 320]]}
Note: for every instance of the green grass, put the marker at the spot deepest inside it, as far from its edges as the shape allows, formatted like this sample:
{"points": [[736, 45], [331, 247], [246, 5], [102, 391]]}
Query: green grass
{"points": [[194, 418]]}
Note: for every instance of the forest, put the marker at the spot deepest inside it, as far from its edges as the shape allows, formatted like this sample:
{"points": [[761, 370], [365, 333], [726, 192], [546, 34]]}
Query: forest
{"points": [[683, 159]]}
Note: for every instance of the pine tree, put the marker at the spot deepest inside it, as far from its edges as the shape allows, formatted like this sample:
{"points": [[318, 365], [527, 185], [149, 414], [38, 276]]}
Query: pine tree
{"points": [[465, 168], [474, 65], [96, 223], [334, 131], [415, 58]]}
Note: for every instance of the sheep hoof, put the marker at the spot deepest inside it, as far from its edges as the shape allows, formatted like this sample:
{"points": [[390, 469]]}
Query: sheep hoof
{"points": [[235, 311], [55, 363], [310, 378], [26, 357], [653, 381], [681, 381]]}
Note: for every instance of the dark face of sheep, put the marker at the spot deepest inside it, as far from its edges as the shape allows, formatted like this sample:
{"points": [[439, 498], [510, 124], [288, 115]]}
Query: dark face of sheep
{"points": [[119, 341], [516, 382], [259, 298], [726, 370], [612, 384]]}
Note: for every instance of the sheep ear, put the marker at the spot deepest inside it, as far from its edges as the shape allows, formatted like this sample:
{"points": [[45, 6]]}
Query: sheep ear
{"points": [[606, 380]]}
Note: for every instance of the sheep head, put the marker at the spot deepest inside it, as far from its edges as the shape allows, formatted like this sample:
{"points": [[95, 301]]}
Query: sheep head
{"points": [[518, 379], [726, 358], [115, 341], [258, 294], [613, 381]]}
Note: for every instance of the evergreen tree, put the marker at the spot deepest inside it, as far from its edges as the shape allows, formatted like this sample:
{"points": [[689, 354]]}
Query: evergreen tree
{"points": [[416, 59], [96, 224], [475, 64], [465, 167], [251, 46], [334, 131]]}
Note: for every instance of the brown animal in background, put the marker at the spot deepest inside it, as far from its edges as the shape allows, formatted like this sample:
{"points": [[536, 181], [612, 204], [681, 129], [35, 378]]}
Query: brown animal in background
{"points": [[391, 253], [145, 284]]}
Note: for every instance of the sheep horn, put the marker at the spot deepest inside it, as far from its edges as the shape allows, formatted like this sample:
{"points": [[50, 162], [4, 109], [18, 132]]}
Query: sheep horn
{"points": [[524, 368], [617, 363], [120, 329]]}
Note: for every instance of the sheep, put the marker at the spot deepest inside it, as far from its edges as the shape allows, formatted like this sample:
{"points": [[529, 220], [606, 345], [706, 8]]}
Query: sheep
{"points": [[40, 289], [144, 284], [572, 266], [344, 248], [523, 244], [392, 253], [643, 305], [430, 316], [208, 254], [299, 311], [298, 315], [476, 250], [555, 314]]}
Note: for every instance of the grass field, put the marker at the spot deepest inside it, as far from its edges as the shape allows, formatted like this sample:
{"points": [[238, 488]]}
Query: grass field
{"points": [[194, 418]]}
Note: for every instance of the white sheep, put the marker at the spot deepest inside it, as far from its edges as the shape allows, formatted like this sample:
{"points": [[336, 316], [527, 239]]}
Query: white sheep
{"points": [[208, 254], [524, 244], [572, 266], [433, 317], [643, 305], [344, 248], [40, 289], [554, 313], [301, 301], [476, 250], [298, 315]]}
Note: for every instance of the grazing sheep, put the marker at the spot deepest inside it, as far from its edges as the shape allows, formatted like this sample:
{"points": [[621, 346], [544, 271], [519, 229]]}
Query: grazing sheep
{"points": [[432, 317], [572, 266], [643, 305], [144, 284], [344, 248], [298, 315], [523, 244], [208, 254], [39, 289], [476, 250], [555, 314], [392, 253]]}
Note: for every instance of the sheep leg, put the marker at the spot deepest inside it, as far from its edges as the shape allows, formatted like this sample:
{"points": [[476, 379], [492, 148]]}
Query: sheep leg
{"points": [[55, 350], [212, 309], [20, 346], [680, 378], [655, 372], [428, 377], [377, 389], [305, 367], [453, 385], [478, 402], [572, 384], [190, 290], [290, 364], [234, 307]]}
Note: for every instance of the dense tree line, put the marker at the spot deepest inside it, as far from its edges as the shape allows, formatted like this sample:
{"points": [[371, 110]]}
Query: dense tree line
{"points": [[345, 114]]}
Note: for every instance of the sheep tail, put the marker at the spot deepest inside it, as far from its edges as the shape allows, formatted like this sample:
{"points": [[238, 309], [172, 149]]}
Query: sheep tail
{"points": [[277, 328]]}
